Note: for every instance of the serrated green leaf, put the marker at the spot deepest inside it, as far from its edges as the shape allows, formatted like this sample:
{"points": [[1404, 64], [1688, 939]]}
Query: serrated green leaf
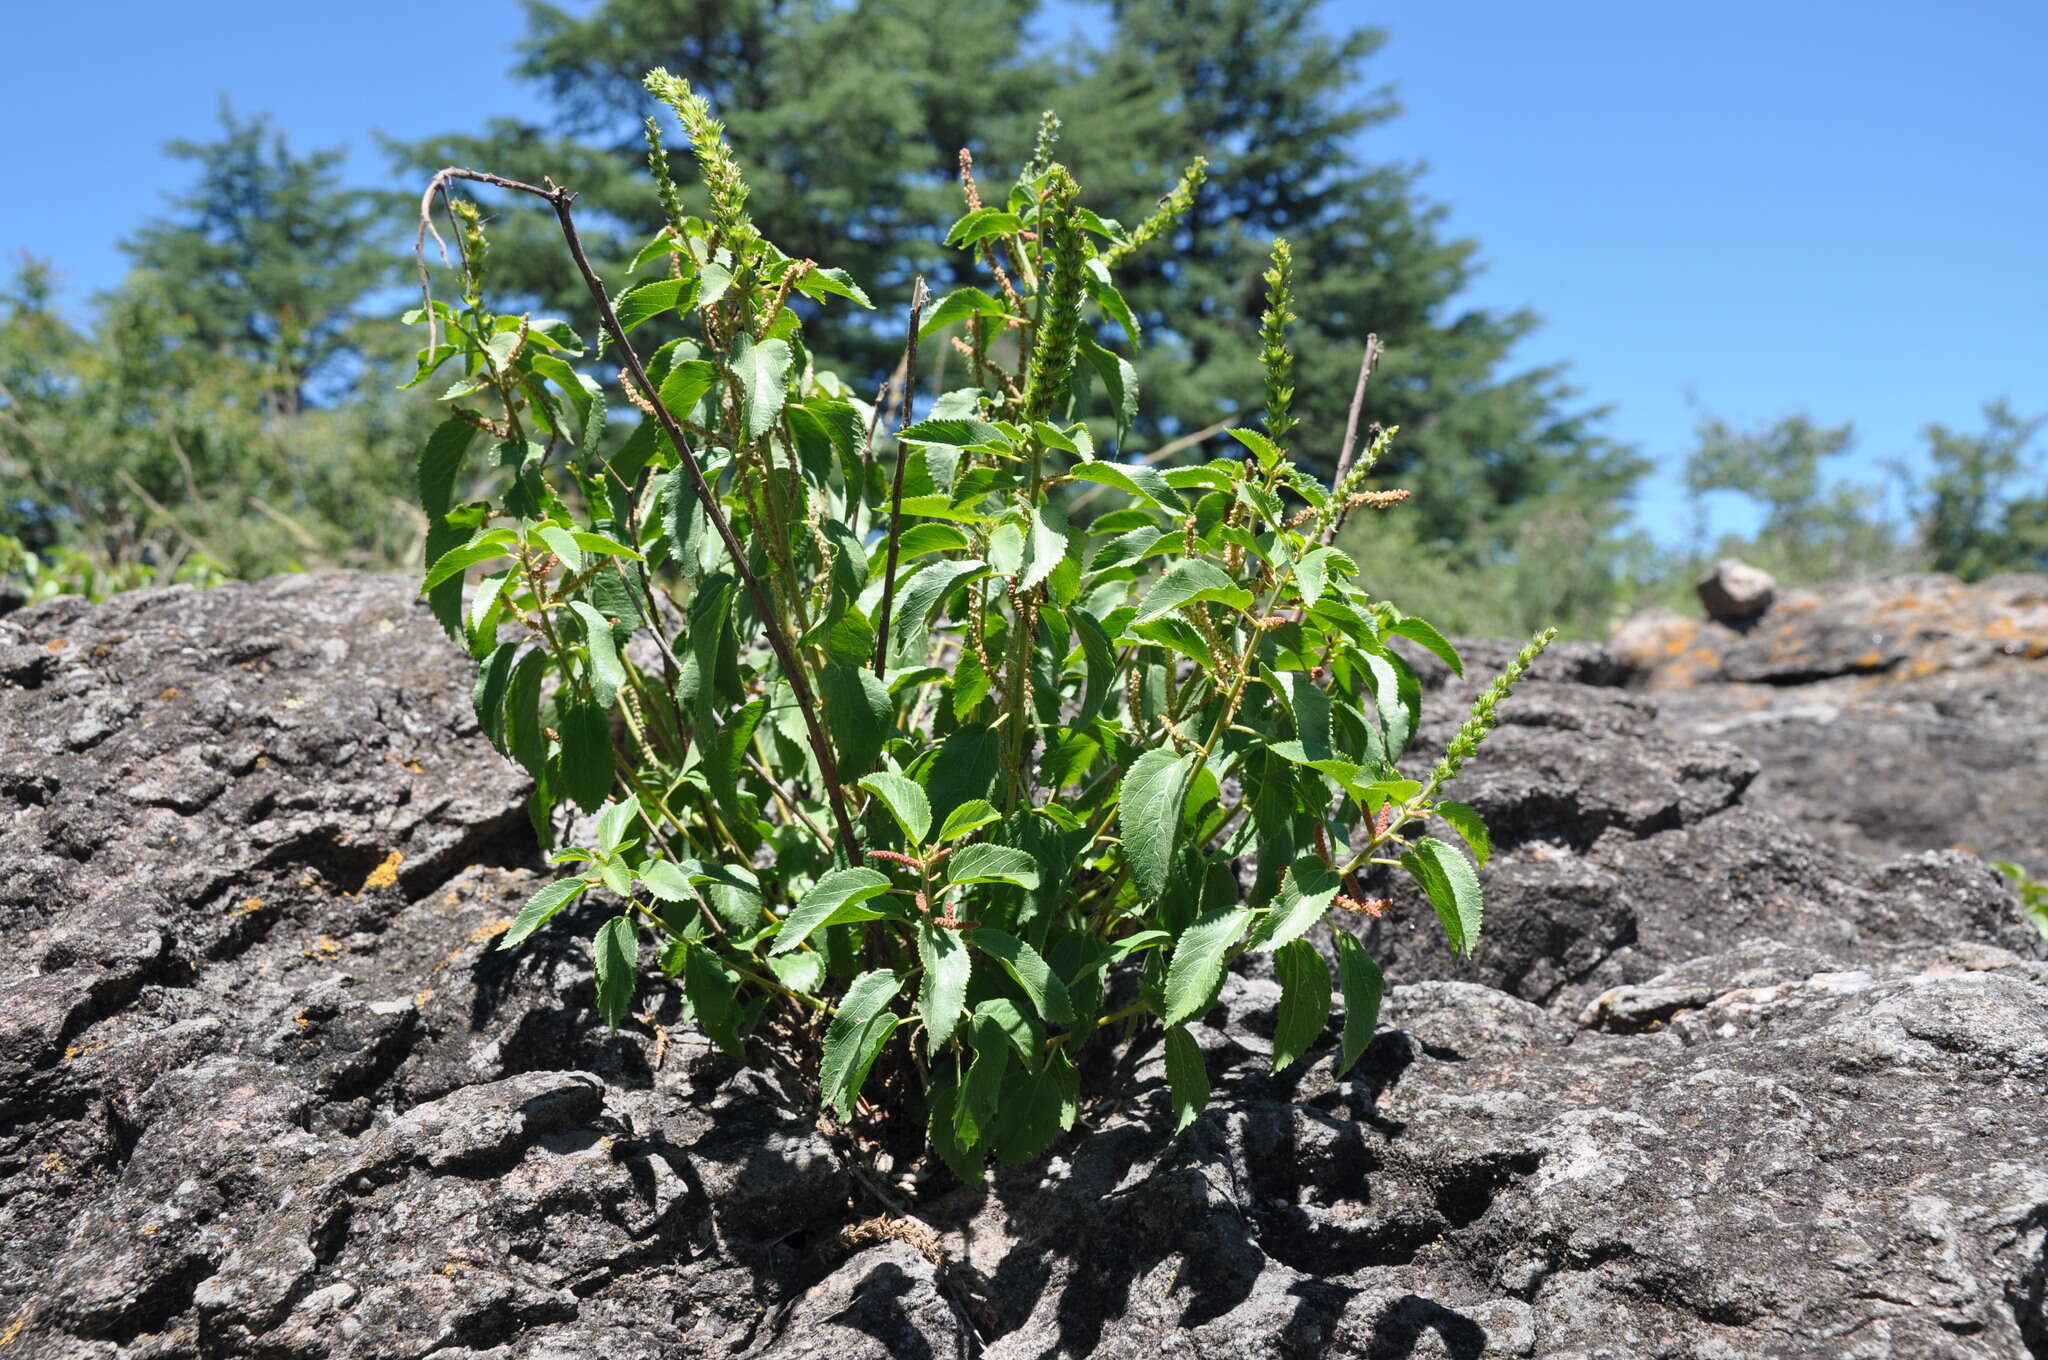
{"points": [[921, 597], [666, 881], [607, 672], [1197, 962], [562, 544], [600, 545], [686, 385], [441, 461], [1311, 575], [1044, 546], [1304, 1001], [1306, 891], [659, 246], [1419, 631], [1112, 302], [763, 370], [541, 908], [799, 972], [1030, 1118], [858, 712], [819, 284], [487, 548], [1148, 816], [1126, 548], [1187, 1075], [986, 863], [942, 995], [981, 224], [1453, 888], [1469, 825], [867, 996], [1311, 707], [959, 305], [649, 300], [906, 802], [1359, 977], [961, 1156], [969, 817], [487, 696], [873, 1040], [1133, 479], [951, 432], [1190, 582], [840, 888], [587, 757], [734, 894], [616, 954], [714, 995], [1118, 378], [614, 822], [919, 540], [1268, 453], [1397, 694], [1031, 972]]}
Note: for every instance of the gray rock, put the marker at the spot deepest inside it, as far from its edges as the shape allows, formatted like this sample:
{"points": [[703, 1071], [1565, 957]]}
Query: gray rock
{"points": [[1715, 1084], [1736, 592]]}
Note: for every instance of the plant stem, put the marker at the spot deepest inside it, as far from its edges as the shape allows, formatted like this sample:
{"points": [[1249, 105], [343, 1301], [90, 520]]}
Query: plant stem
{"points": [[917, 297]]}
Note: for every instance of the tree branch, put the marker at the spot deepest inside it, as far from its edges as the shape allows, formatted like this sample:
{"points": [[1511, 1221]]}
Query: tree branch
{"points": [[1344, 456]]}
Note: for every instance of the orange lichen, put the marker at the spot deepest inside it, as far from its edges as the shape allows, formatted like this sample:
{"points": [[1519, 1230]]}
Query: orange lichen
{"points": [[385, 875], [490, 929]]}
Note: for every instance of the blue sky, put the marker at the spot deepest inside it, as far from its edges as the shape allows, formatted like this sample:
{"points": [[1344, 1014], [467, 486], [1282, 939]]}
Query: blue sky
{"points": [[1748, 209]]}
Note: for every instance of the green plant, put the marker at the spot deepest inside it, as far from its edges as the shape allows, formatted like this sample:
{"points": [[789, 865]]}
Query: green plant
{"points": [[2033, 893], [61, 570], [915, 776]]}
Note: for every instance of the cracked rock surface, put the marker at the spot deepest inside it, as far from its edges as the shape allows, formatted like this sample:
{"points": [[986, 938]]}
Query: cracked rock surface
{"points": [[1720, 1082]]}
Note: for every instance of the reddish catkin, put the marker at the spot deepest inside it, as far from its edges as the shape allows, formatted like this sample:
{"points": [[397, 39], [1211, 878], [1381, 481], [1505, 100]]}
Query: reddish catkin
{"points": [[967, 185]]}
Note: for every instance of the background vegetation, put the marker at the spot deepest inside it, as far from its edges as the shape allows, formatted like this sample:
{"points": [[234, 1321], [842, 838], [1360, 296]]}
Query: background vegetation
{"points": [[231, 409]]}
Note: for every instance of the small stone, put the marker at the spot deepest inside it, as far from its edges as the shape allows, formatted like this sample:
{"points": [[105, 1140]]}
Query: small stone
{"points": [[1736, 592]]}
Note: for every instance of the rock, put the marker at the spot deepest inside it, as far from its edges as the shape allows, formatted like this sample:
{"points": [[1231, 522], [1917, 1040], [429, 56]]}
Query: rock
{"points": [[1884, 716], [1719, 1081], [1735, 592], [1903, 627]]}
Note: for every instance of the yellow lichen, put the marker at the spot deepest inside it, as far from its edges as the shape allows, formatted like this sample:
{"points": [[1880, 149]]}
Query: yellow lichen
{"points": [[489, 929], [385, 875]]}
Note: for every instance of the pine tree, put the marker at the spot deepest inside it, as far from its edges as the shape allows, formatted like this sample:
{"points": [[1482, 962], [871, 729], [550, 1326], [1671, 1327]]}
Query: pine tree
{"points": [[266, 257]]}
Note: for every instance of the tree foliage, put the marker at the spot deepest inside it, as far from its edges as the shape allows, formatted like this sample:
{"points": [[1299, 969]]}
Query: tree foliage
{"points": [[182, 425]]}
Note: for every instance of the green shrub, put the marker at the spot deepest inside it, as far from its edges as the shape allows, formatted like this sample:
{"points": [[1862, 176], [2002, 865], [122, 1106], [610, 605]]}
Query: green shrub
{"points": [[61, 570], [923, 770], [2033, 894]]}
